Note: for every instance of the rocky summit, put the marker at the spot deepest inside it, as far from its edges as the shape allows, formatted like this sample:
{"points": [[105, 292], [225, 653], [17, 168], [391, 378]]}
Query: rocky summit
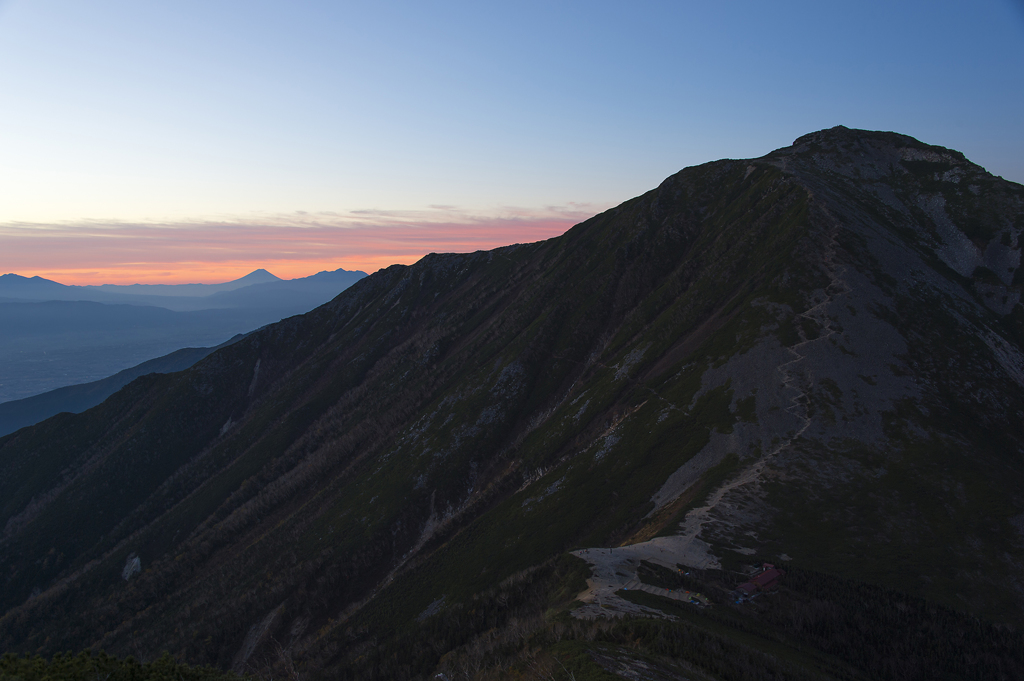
{"points": [[528, 462]]}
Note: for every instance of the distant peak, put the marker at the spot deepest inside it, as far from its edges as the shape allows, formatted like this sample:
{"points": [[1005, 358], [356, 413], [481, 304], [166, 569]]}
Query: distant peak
{"points": [[259, 276], [862, 155], [841, 136], [841, 139], [12, 278]]}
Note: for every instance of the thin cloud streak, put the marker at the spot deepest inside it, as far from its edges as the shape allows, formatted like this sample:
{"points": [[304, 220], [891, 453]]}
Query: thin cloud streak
{"points": [[296, 245]]}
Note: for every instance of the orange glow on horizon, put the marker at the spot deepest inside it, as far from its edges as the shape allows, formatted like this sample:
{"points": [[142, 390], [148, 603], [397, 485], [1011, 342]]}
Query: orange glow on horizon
{"points": [[185, 273], [202, 273], [89, 254]]}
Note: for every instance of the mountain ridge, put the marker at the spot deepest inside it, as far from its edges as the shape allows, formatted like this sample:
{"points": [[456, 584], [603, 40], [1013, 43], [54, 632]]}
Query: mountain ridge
{"points": [[17, 282], [773, 357], [257, 276], [177, 297]]}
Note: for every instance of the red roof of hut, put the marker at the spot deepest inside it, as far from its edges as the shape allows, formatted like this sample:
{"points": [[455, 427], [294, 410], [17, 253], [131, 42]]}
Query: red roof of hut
{"points": [[768, 578]]}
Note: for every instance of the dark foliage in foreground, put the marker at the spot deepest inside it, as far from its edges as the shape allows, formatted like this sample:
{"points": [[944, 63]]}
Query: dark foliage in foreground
{"points": [[816, 626], [88, 667]]}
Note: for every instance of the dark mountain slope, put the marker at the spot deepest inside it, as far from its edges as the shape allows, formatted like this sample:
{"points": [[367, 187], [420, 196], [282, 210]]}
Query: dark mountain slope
{"points": [[802, 356]]}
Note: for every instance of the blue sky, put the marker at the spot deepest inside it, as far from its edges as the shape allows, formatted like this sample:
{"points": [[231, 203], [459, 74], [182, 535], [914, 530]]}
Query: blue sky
{"points": [[258, 111]]}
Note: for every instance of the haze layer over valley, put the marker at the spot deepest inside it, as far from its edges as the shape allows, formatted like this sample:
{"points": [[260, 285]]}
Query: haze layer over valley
{"points": [[52, 335]]}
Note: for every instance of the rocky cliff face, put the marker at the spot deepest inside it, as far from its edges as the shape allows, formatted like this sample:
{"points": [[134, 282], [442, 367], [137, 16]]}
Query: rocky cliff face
{"points": [[814, 356]]}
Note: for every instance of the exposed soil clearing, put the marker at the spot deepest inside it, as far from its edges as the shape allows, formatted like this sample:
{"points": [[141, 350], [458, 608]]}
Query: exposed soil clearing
{"points": [[615, 569]]}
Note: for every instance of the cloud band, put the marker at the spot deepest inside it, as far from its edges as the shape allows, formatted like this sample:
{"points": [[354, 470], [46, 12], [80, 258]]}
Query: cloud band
{"points": [[289, 246]]}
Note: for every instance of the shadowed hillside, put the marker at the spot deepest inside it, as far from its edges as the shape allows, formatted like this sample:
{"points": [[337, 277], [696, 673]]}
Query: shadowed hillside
{"points": [[812, 358]]}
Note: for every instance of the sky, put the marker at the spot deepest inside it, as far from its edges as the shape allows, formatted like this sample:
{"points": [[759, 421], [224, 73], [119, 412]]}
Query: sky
{"points": [[187, 141]]}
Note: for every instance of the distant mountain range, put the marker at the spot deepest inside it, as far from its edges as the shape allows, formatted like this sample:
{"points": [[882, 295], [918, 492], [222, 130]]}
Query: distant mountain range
{"points": [[259, 276], [52, 335], [765, 421], [305, 292]]}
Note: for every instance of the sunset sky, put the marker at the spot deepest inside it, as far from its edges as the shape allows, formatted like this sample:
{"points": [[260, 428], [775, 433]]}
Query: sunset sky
{"points": [[190, 141]]}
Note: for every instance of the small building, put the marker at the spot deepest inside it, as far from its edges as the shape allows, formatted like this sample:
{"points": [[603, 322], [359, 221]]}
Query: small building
{"points": [[745, 590], [768, 579], [765, 580]]}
